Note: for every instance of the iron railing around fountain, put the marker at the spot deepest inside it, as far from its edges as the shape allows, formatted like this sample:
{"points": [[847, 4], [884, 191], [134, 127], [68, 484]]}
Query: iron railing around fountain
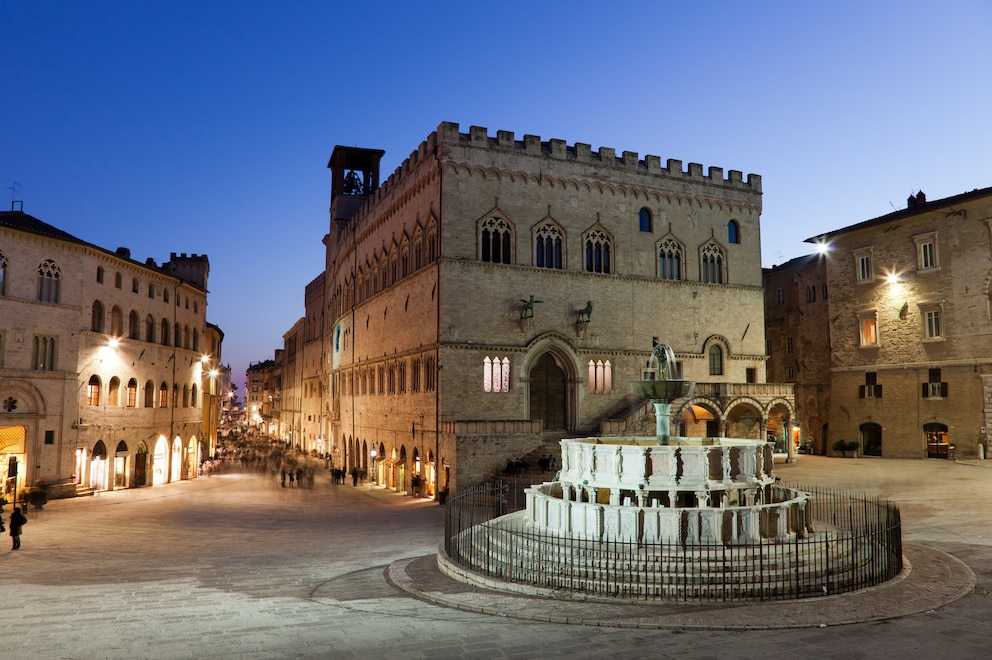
{"points": [[856, 543]]}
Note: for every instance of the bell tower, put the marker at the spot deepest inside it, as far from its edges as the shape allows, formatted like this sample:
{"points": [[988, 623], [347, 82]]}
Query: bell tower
{"points": [[354, 177]]}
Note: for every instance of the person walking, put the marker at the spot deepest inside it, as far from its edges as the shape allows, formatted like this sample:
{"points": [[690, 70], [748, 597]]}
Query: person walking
{"points": [[17, 520]]}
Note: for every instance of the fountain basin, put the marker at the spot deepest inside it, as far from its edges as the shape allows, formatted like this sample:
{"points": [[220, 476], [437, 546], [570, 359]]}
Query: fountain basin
{"points": [[663, 390]]}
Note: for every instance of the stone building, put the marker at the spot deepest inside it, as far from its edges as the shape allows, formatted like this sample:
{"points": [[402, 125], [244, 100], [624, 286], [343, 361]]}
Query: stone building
{"points": [[797, 335], [214, 389], [101, 362], [911, 329], [313, 399], [287, 404], [301, 392], [258, 394], [496, 294]]}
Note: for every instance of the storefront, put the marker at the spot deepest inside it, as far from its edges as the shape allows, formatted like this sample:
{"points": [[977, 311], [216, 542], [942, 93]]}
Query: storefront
{"points": [[12, 441]]}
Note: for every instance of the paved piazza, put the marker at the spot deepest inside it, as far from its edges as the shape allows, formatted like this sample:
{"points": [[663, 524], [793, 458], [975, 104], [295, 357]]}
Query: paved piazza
{"points": [[234, 566]]}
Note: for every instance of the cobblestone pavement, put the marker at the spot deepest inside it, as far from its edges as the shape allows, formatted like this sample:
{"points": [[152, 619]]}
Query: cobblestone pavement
{"points": [[234, 566]]}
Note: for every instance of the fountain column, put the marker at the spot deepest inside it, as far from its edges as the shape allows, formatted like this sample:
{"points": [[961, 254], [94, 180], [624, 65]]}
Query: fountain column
{"points": [[663, 420]]}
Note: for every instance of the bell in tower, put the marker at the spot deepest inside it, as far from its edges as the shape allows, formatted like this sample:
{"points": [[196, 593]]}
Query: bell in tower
{"points": [[354, 177]]}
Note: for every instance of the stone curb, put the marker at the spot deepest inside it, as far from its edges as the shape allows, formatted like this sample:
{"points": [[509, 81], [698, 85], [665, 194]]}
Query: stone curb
{"points": [[930, 580]]}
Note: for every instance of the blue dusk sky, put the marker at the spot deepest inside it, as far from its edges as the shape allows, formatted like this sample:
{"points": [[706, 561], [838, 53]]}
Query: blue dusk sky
{"points": [[206, 126]]}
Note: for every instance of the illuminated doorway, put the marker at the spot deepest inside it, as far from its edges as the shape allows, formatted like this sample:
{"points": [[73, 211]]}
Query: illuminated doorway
{"points": [[98, 466], [937, 442], [191, 456], [80, 475], [120, 465], [176, 464], [12, 440], [160, 462]]}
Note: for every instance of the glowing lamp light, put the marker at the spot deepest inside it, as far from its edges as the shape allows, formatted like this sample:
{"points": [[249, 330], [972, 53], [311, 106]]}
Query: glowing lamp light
{"points": [[113, 342]]}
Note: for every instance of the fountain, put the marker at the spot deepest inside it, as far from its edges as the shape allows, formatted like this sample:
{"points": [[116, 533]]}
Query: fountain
{"points": [[665, 517], [662, 390], [666, 488]]}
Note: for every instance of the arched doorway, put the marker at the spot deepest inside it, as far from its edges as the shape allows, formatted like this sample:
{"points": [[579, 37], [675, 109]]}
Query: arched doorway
{"points": [[780, 430], [936, 437], [120, 465], [191, 456], [743, 420], [160, 462], [871, 439], [548, 393], [698, 420], [141, 465], [98, 466], [176, 464]]}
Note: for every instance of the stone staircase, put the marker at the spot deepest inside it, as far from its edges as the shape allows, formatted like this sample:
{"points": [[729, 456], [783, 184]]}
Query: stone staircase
{"points": [[630, 410]]}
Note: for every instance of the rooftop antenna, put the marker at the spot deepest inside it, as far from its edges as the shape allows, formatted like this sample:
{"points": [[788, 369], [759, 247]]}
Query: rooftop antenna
{"points": [[13, 195]]}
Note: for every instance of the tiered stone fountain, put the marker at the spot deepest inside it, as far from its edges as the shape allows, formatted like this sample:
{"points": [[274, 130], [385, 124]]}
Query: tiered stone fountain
{"points": [[666, 517], [665, 489]]}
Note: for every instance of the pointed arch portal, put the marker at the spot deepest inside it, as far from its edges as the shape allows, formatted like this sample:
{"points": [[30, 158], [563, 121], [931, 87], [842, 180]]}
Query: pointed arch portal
{"points": [[548, 390]]}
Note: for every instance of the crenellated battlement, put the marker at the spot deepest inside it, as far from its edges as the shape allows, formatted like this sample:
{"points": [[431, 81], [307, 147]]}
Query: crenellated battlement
{"points": [[193, 268], [580, 153]]}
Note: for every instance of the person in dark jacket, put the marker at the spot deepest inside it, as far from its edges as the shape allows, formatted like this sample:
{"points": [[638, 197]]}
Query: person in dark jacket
{"points": [[17, 520]]}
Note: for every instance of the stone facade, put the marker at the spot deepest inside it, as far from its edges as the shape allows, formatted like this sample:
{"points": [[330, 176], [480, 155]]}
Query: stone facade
{"points": [[287, 405], [258, 394], [101, 362], [910, 321], [797, 331], [313, 399], [495, 294]]}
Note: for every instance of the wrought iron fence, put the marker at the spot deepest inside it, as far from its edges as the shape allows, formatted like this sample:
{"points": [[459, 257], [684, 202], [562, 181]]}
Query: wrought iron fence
{"points": [[856, 543]]}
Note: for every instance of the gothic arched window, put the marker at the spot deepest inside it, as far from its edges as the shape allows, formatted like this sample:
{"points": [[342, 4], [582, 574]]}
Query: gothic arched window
{"points": [[549, 246], [711, 262], [599, 251], [49, 281], [496, 241], [670, 260]]}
